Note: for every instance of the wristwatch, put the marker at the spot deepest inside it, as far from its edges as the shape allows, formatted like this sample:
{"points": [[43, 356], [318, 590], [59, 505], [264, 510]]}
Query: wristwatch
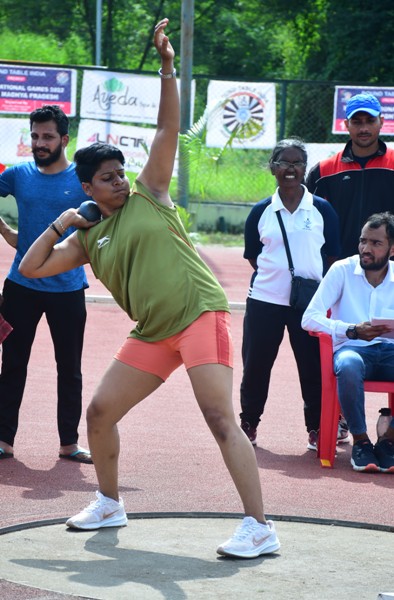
{"points": [[351, 332], [167, 75]]}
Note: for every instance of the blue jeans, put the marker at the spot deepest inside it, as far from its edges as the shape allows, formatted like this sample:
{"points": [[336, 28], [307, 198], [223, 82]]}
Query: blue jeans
{"points": [[354, 364]]}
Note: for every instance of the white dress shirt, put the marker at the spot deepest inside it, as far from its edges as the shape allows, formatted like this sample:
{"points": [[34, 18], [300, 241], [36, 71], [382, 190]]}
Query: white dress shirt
{"points": [[305, 233], [352, 299]]}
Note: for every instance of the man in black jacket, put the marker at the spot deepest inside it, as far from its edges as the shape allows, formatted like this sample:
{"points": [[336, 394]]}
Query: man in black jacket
{"points": [[359, 180]]}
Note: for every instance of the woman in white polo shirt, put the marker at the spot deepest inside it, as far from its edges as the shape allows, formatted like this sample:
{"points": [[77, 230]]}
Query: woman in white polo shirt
{"points": [[311, 226]]}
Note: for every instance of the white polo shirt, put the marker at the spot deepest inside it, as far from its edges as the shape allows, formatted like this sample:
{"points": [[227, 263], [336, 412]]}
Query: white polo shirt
{"points": [[352, 300], [312, 231]]}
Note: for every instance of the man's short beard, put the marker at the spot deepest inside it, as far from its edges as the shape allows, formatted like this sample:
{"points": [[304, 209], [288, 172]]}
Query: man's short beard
{"points": [[376, 266], [50, 159]]}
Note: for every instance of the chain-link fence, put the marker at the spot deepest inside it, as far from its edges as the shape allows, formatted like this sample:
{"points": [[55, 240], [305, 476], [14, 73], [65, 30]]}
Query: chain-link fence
{"points": [[121, 107]]}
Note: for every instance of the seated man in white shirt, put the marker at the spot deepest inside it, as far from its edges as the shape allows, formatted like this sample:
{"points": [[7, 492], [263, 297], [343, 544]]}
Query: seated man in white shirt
{"points": [[356, 289]]}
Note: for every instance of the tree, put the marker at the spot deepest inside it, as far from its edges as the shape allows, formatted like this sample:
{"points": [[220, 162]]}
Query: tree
{"points": [[357, 43], [26, 45], [241, 40]]}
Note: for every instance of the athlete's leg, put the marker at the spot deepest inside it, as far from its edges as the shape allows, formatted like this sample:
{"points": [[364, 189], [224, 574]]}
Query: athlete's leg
{"points": [[121, 388], [212, 385]]}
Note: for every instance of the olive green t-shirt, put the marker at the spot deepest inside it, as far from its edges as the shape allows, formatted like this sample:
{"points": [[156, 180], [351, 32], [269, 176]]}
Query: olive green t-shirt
{"points": [[144, 257]]}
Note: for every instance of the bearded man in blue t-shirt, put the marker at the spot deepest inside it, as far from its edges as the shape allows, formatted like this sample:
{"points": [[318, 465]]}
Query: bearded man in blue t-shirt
{"points": [[42, 188]]}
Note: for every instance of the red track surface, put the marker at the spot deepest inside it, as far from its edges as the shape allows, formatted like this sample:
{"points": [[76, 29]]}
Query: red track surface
{"points": [[169, 460]]}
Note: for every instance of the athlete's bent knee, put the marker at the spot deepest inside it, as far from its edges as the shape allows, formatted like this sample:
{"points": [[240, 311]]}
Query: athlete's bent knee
{"points": [[218, 424]]}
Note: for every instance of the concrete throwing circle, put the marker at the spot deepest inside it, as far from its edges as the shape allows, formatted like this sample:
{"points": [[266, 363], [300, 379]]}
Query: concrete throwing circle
{"points": [[175, 559]]}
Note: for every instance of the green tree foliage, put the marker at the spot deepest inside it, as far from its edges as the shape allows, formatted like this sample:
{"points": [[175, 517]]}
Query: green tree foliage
{"points": [[27, 45], [332, 41], [357, 43], [233, 39], [46, 31], [337, 40]]}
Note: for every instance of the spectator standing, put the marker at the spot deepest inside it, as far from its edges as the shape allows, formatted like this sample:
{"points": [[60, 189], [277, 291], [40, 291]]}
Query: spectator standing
{"points": [[311, 225], [43, 188], [359, 180]]}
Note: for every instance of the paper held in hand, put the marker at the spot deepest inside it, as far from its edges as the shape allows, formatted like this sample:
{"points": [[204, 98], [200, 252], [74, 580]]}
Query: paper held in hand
{"points": [[384, 321]]}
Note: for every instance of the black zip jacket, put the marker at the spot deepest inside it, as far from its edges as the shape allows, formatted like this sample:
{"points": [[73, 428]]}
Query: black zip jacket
{"points": [[354, 192]]}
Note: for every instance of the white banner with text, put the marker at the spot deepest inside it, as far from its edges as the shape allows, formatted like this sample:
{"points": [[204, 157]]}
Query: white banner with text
{"points": [[134, 142], [123, 97]]}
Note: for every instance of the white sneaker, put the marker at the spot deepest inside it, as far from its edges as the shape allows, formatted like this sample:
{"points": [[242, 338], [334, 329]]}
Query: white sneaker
{"points": [[103, 512], [251, 539]]}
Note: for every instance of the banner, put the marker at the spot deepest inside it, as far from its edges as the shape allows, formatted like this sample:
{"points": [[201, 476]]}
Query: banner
{"points": [[15, 141], [122, 97], [23, 89], [134, 142], [343, 94], [249, 108]]}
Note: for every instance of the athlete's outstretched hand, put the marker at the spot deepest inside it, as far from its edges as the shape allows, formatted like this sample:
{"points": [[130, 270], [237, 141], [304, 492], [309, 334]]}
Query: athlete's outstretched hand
{"points": [[162, 42]]}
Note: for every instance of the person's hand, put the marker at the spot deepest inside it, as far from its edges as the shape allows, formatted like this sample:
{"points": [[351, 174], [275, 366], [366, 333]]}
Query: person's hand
{"points": [[368, 332], [162, 42], [83, 223], [10, 235], [72, 218]]}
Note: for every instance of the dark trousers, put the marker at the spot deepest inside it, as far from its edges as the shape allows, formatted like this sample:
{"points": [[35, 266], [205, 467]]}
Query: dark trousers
{"points": [[66, 317], [264, 326]]}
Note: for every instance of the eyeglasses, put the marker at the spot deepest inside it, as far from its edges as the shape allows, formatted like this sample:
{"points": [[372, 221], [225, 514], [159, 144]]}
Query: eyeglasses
{"points": [[283, 164]]}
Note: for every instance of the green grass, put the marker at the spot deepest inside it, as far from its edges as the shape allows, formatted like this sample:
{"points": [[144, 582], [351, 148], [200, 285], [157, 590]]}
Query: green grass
{"points": [[222, 239], [237, 176]]}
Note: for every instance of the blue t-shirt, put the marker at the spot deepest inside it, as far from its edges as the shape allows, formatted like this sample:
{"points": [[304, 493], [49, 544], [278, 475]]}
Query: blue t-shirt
{"points": [[41, 198]]}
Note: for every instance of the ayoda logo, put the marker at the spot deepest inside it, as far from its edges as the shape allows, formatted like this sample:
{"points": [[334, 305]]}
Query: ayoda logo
{"points": [[113, 93]]}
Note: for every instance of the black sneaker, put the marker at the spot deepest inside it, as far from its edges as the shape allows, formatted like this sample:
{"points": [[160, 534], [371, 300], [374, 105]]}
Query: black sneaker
{"points": [[250, 431], [363, 457], [384, 452]]}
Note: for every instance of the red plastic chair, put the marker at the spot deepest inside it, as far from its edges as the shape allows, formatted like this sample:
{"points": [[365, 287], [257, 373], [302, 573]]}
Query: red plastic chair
{"points": [[330, 408]]}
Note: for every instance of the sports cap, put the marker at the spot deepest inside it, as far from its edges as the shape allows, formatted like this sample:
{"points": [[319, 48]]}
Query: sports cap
{"points": [[363, 103]]}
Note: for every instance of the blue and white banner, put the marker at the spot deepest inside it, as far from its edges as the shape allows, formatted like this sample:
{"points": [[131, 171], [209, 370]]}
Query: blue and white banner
{"points": [[24, 88], [246, 111]]}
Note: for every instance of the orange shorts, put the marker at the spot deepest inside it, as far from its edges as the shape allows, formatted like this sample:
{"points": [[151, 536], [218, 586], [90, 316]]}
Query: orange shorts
{"points": [[207, 340]]}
